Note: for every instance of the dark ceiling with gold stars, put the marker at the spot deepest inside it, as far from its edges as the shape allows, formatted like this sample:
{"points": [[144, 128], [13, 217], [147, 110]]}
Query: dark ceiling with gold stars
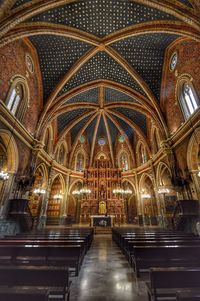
{"points": [[102, 60]]}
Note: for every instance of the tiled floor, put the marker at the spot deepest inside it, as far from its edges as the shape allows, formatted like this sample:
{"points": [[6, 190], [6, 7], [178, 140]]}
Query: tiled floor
{"points": [[106, 275]]}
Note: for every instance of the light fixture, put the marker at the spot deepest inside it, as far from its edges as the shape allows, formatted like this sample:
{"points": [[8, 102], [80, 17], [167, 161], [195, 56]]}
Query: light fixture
{"points": [[163, 190], [4, 175], [85, 190], [39, 191], [122, 191], [145, 196], [76, 192], [58, 196]]}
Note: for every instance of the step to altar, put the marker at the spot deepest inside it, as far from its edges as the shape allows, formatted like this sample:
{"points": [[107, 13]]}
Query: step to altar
{"points": [[102, 230]]}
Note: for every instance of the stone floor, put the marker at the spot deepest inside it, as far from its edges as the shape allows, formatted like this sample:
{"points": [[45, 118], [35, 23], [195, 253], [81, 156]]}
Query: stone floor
{"points": [[106, 275]]}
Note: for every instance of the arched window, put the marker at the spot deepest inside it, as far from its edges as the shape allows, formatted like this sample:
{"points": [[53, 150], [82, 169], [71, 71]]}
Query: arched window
{"points": [[143, 157], [124, 161], [80, 162], [188, 99], [17, 99]]}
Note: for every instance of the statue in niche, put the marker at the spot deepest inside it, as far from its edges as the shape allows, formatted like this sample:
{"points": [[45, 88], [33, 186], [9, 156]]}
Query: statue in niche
{"points": [[102, 208]]}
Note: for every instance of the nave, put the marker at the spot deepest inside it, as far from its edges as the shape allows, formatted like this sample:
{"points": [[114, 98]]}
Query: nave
{"points": [[106, 275]]}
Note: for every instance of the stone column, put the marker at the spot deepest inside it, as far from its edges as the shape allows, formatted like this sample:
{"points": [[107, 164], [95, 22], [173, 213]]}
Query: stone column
{"points": [[63, 214]]}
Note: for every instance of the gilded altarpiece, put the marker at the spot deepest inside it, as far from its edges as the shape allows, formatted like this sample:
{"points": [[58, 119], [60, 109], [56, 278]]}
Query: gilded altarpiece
{"points": [[101, 179]]}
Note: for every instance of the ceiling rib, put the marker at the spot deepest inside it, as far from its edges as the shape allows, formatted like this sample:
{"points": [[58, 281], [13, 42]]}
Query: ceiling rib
{"points": [[71, 72], [73, 123], [94, 138], [122, 133], [109, 138], [78, 136], [134, 126]]}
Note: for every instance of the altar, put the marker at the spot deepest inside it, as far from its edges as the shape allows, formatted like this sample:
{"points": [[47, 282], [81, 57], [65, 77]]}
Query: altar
{"points": [[101, 220]]}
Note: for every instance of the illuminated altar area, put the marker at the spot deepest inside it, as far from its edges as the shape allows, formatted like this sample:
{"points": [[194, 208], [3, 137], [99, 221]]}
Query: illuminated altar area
{"points": [[102, 220], [101, 180]]}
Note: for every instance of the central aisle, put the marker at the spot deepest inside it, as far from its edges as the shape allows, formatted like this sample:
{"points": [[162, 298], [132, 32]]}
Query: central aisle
{"points": [[106, 275]]}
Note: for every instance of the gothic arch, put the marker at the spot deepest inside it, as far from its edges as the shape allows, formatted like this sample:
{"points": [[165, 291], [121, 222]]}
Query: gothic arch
{"points": [[80, 166], [18, 89], [148, 199], [48, 139], [61, 158], [193, 151], [155, 139], [141, 153], [193, 161], [120, 159], [11, 149], [163, 175], [131, 202]]}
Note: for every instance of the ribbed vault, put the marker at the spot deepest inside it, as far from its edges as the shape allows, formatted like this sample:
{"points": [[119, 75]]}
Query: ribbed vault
{"points": [[101, 62]]}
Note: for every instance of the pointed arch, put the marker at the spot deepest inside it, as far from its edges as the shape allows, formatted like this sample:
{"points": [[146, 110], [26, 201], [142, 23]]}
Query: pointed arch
{"points": [[155, 139], [18, 97], [124, 160], [141, 153], [48, 139]]}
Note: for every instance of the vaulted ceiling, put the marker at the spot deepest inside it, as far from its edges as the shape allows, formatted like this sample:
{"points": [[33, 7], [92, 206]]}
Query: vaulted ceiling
{"points": [[102, 61]]}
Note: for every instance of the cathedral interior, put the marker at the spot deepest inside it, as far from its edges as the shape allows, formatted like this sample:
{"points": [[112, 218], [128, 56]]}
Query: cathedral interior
{"points": [[99, 110], [102, 96]]}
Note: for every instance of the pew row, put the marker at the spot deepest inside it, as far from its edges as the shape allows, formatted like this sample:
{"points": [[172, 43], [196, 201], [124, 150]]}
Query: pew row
{"points": [[48, 282], [165, 282]]}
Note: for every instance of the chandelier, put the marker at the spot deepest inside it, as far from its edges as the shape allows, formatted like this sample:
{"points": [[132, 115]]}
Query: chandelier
{"points": [[163, 190], [4, 175], [83, 190], [76, 192], [39, 191], [122, 191], [58, 196], [145, 196]]}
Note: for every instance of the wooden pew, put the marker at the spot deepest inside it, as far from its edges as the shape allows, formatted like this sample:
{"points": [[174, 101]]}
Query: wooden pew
{"points": [[165, 282], [24, 278], [56, 255], [188, 296], [145, 257], [14, 294], [129, 247]]}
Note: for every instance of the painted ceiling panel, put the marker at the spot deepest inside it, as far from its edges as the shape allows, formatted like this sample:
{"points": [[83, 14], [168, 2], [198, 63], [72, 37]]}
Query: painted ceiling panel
{"points": [[101, 66], [186, 2], [90, 130], [146, 54], [20, 2], [90, 96], [75, 130], [101, 133], [56, 55], [126, 128], [101, 17], [112, 95], [135, 116], [66, 118], [113, 131]]}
